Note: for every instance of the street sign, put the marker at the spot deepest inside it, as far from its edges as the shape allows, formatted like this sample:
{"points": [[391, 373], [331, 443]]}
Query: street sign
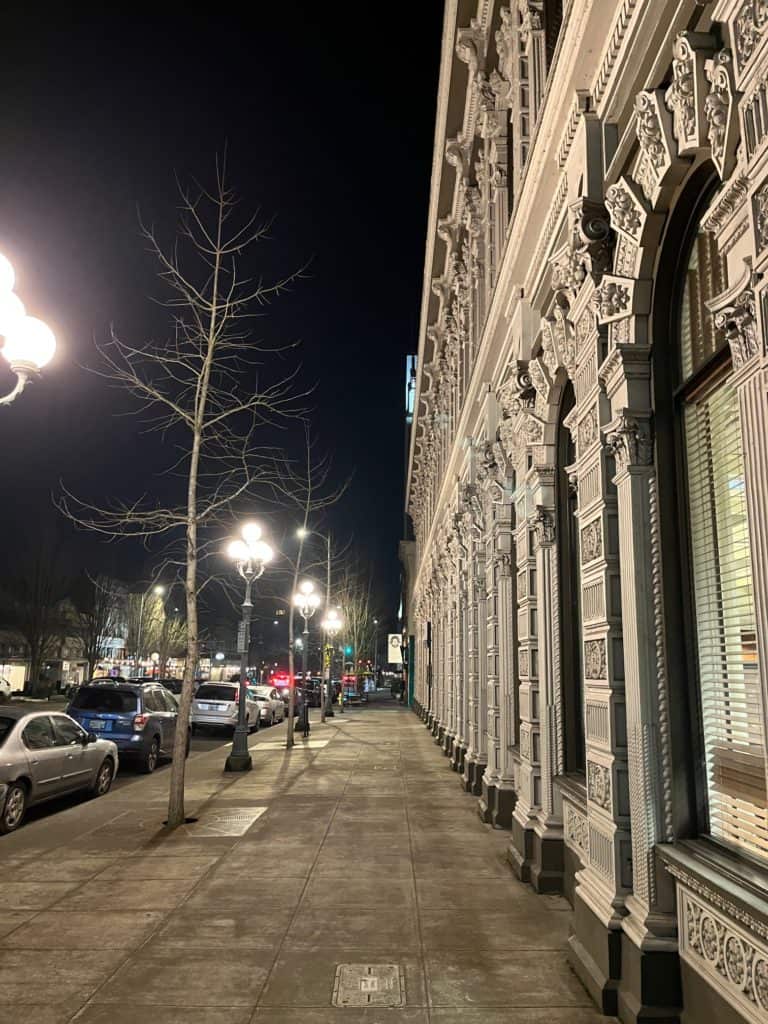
{"points": [[243, 638], [394, 651]]}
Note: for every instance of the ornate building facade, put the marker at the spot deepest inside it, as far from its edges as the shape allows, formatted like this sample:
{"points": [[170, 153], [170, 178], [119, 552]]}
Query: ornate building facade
{"points": [[588, 477]]}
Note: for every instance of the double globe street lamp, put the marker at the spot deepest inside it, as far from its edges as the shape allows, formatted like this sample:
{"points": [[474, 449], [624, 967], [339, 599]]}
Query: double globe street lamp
{"points": [[28, 343], [251, 556]]}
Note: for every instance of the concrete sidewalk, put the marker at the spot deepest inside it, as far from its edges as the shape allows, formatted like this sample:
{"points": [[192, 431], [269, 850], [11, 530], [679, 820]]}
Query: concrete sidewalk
{"points": [[365, 853]]}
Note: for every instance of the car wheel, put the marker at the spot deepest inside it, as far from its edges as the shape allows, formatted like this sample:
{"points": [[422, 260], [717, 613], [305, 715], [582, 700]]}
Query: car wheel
{"points": [[14, 808], [104, 777], [149, 760]]}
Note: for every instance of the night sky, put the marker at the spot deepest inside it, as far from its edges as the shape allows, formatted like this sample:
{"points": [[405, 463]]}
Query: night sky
{"points": [[328, 121]]}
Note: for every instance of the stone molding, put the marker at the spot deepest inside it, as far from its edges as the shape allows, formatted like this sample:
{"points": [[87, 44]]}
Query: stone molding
{"points": [[724, 953]]}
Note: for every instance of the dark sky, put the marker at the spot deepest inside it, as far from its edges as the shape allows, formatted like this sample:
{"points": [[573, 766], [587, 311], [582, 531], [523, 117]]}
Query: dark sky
{"points": [[328, 120]]}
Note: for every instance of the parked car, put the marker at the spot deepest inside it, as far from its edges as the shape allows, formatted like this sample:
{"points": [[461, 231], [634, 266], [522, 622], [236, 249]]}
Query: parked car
{"points": [[271, 704], [43, 756], [174, 685], [140, 717], [5, 691], [216, 704]]}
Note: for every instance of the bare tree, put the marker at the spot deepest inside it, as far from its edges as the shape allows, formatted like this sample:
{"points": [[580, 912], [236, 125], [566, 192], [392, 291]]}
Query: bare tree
{"points": [[354, 594], [99, 614], [32, 604], [171, 641], [306, 487], [144, 618], [205, 391]]}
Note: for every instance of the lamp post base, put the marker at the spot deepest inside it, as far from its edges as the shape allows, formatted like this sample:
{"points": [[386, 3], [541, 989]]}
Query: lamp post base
{"points": [[238, 763], [239, 759]]}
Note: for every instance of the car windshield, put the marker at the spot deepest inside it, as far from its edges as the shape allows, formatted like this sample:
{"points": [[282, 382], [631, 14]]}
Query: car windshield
{"points": [[106, 699], [259, 691], [6, 725], [209, 691]]}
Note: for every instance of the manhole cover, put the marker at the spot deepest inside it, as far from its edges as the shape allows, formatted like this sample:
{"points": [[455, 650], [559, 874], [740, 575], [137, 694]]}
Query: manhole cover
{"points": [[232, 821], [369, 985], [300, 744]]}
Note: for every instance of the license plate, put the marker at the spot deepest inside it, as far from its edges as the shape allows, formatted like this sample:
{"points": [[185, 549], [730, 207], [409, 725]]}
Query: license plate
{"points": [[99, 726]]}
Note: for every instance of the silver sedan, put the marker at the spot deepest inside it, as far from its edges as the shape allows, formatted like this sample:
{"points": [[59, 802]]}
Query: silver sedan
{"points": [[44, 755]]}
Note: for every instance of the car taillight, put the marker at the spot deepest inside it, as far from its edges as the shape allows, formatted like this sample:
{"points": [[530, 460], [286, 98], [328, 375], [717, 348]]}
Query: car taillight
{"points": [[237, 695], [139, 721]]}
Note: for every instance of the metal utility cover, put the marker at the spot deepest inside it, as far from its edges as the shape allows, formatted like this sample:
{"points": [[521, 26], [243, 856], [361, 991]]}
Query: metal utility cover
{"points": [[230, 821], [306, 744], [369, 985]]}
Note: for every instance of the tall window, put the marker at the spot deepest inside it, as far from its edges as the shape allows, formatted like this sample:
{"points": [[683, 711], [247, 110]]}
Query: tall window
{"points": [[570, 594], [723, 611]]}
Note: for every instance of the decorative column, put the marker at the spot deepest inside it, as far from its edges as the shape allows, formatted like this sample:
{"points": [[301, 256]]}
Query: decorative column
{"points": [[520, 850], [475, 760], [506, 795], [460, 746], [490, 777]]}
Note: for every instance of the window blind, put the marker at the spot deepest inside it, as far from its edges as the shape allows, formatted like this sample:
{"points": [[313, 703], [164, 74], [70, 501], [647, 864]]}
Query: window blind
{"points": [[726, 647]]}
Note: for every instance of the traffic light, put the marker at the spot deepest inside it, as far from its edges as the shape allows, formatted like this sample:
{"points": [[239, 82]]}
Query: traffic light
{"points": [[347, 650]]}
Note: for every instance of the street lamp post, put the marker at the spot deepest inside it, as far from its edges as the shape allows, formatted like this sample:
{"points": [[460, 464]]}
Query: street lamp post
{"points": [[331, 625], [326, 705], [376, 653], [29, 344], [158, 591], [250, 555], [306, 601]]}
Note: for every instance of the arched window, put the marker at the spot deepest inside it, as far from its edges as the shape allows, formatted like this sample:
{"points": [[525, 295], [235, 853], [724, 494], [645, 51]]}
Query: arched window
{"points": [[722, 633], [570, 591]]}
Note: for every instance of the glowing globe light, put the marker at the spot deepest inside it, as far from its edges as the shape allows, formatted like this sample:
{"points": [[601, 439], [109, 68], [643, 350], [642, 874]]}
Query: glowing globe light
{"points": [[238, 551], [12, 312], [262, 552], [7, 275], [251, 533], [29, 341]]}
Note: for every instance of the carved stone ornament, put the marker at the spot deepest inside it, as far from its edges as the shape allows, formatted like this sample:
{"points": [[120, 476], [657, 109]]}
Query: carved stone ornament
{"points": [[517, 392], [592, 542], [653, 127], [513, 441], [748, 26], [613, 299], [587, 251], [576, 829], [686, 95], [531, 18], [543, 523], [599, 785], [626, 209], [725, 204], [734, 960], [735, 313], [456, 155], [720, 112], [523, 663], [487, 467], [594, 659], [587, 431], [628, 438], [469, 47], [760, 215]]}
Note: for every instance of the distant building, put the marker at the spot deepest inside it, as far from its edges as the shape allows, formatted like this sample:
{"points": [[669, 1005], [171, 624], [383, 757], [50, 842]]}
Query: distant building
{"points": [[588, 477]]}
